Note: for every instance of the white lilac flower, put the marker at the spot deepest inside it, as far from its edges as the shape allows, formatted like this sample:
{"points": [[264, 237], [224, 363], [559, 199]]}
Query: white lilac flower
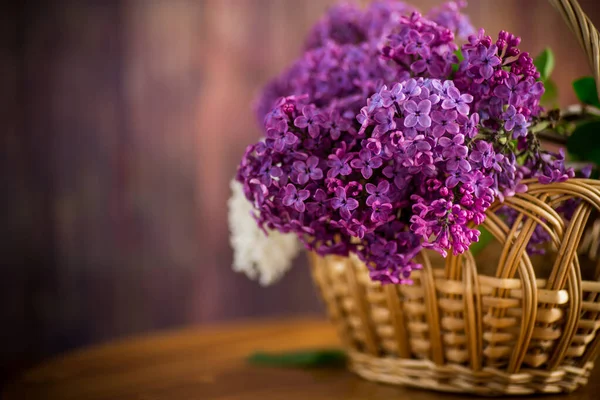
{"points": [[259, 256]]}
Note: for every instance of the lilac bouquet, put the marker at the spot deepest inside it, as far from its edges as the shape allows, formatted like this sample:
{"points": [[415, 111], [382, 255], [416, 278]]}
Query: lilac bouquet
{"points": [[387, 137]]}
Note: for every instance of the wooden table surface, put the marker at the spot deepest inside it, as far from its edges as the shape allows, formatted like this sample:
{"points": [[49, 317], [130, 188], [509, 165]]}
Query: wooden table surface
{"points": [[209, 363]]}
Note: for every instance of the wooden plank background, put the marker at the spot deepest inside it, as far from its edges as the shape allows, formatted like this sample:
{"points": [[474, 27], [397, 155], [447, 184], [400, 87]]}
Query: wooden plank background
{"points": [[123, 122]]}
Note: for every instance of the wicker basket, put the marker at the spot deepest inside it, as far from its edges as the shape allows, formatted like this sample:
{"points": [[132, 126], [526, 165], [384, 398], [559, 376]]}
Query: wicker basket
{"points": [[492, 325], [504, 323]]}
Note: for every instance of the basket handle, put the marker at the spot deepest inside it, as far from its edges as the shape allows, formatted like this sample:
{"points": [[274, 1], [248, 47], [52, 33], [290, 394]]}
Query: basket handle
{"points": [[585, 31]]}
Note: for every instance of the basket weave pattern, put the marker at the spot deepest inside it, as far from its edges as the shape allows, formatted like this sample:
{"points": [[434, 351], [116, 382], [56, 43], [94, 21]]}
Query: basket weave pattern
{"points": [[462, 329]]}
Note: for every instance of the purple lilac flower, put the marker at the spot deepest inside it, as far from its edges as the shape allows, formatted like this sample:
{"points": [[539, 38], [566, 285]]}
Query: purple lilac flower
{"points": [[430, 63], [268, 171], [311, 119], [385, 121], [381, 211], [294, 197], [486, 59], [511, 90], [319, 205], [445, 122], [457, 100], [392, 96], [483, 153], [453, 147], [481, 183], [410, 89], [417, 115], [343, 203], [512, 118], [418, 43], [281, 137], [308, 170], [336, 124], [366, 163], [377, 193], [339, 165]]}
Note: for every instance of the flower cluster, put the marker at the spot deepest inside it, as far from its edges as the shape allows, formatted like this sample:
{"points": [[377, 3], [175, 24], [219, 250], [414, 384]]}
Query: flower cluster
{"points": [[384, 156], [342, 66]]}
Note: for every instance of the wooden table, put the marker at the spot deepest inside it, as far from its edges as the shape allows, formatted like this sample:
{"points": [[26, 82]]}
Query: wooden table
{"points": [[209, 363]]}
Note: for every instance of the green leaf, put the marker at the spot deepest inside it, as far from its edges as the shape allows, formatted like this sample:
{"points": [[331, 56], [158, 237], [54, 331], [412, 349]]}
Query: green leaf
{"points": [[540, 126], [300, 359], [458, 53], [484, 239], [585, 89], [544, 63], [584, 143], [550, 97]]}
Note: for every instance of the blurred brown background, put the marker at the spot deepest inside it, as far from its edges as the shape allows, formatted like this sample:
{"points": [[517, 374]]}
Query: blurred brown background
{"points": [[123, 122]]}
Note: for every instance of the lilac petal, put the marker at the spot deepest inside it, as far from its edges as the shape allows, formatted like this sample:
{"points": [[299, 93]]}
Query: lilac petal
{"points": [[461, 151], [494, 61], [410, 48], [463, 109], [422, 146], [301, 122], [537, 89], [438, 117], [351, 204], [410, 121], [345, 213], [299, 166], [278, 144], [414, 35], [448, 104], [316, 174], [376, 162], [445, 142], [486, 71], [452, 165], [476, 156], [302, 178], [357, 164], [458, 139], [303, 194], [464, 165], [299, 206], [467, 98], [452, 128], [410, 107], [424, 106], [382, 117], [290, 138], [438, 131], [276, 172], [502, 91], [418, 66], [453, 93], [425, 120], [367, 172], [346, 170], [365, 155], [452, 181], [427, 37]]}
